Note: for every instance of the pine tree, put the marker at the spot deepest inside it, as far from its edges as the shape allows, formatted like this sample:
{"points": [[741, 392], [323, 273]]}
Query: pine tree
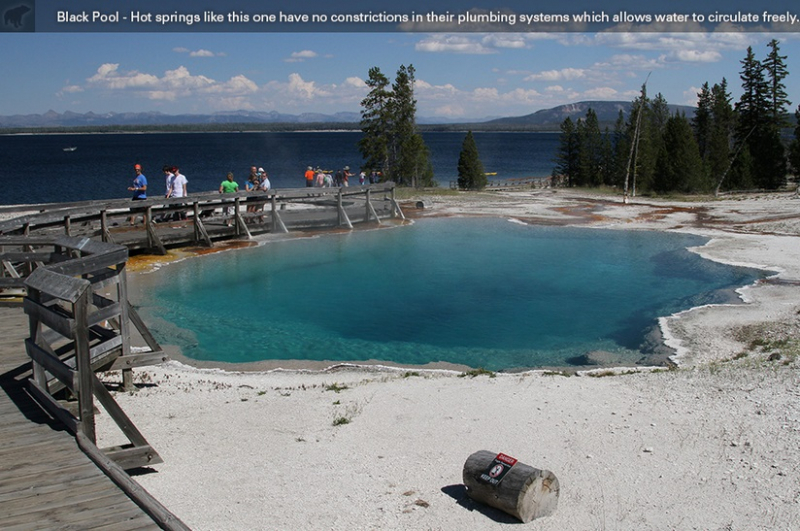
{"points": [[622, 148], [589, 151], [376, 123], [679, 167], [567, 155], [721, 138], [794, 147], [391, 141], [776, 71], [760, 112], [703, 120], [608, 164], [655, 122], [470, 169]]}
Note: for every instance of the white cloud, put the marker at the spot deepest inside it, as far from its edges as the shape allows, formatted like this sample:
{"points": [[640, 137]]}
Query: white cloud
{"points": [[302, 88], [71, 89], [108, 76], [693, 56], [355, 81], [297, 57], [171, 86], [601, 93], [197, 53], [201, 53], [565, 74], [453, 44]]}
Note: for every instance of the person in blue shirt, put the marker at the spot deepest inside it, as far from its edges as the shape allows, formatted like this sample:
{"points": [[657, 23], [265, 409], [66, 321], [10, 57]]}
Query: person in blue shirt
{"points": [[139, 187]]}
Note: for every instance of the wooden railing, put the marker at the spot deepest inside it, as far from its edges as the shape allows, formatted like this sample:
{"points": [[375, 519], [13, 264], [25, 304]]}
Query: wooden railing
{"points": [[80, 323], [262, 212]]}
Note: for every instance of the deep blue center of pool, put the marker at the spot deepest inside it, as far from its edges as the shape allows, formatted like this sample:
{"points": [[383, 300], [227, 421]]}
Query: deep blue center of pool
{"points": [[479, 292]]}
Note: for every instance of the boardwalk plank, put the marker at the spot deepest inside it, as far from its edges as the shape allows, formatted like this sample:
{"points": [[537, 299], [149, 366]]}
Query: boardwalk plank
{"points": [[46, 481]]}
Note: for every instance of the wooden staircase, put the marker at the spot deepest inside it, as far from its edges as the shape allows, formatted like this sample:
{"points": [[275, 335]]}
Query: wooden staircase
{"points": [[80, 324]]}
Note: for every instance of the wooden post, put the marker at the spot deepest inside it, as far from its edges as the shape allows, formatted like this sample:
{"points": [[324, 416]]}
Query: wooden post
{"points": [[83, 363], [277, 222], [200, 231], [124, 324], [513, 487], [343, 219], [240, 225], [67, 225], [153, 241], [105, 235], [370, 209], [397, 212]]}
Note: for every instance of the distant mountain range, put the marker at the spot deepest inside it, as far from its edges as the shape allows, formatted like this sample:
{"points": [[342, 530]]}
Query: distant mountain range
{"points": [[607, 112], [72, 119]]}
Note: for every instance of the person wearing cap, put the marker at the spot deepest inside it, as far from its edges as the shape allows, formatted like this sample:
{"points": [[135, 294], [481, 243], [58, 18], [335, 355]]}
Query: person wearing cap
{"points": [[309, 177], [139, 187]]}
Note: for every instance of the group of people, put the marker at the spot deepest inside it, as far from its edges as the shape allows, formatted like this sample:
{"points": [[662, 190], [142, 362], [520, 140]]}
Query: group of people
{"points": [[257, 181], [176, 183], [316, 177]]}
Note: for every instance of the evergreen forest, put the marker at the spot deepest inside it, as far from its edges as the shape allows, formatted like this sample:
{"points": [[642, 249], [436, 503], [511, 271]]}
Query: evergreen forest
{"points": [[748, 144]]}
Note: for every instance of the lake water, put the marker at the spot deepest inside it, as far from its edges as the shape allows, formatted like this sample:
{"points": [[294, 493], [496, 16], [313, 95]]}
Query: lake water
{"points": [[479, 292], [35, 168]]}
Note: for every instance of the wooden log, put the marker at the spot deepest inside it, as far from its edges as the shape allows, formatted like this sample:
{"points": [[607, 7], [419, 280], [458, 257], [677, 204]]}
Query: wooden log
{"points": [[513, 487]]}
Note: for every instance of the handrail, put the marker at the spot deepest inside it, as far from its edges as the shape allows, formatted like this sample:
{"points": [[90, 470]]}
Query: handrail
{"points": [[54, 213]]}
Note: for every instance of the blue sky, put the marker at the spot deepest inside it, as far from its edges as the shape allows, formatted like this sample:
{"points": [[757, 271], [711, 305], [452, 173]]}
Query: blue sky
{"points": [[459, 75]]}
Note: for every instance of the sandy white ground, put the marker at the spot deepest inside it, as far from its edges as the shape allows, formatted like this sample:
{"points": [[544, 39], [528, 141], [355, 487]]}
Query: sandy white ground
{"points": [[712, 445]]}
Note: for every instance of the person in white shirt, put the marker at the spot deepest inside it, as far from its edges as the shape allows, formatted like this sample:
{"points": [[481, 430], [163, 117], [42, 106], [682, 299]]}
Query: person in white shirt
{"points": [[178, 186]]}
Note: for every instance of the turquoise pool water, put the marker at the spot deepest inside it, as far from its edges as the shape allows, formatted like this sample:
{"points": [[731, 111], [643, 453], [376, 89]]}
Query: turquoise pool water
{"points": [[479, 292]]}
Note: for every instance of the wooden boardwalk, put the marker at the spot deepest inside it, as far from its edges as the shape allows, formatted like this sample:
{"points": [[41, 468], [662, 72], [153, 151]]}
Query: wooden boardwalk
{"points": [[46, 480], [203, 218], [52, 475]]}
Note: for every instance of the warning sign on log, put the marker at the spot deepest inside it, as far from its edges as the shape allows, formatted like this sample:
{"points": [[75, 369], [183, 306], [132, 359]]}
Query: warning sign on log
{"points": [[497, 470]]}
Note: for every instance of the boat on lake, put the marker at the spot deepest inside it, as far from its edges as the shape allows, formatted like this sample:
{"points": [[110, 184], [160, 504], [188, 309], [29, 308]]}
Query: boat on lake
{"points": [[70, 148]]}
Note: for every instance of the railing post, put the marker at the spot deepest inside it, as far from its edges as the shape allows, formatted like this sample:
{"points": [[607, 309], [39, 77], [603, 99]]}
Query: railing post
{"points": [[105, 235], [124, 324], [277, 222], [396, 210], [84, 364], [343, 219]]}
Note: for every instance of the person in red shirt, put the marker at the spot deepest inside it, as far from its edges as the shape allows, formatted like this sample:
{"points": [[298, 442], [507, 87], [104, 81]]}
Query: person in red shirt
{"points": [[309, 177]]}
